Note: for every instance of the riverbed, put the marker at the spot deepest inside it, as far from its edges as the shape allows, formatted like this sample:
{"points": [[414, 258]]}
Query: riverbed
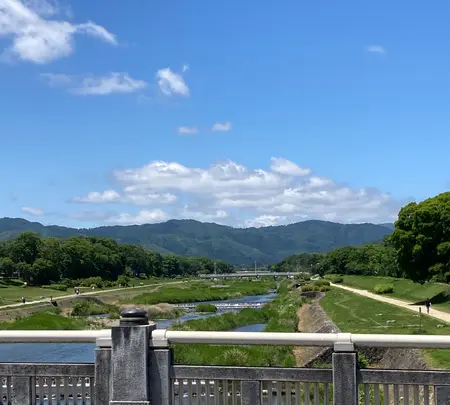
{"points": [[84, 352]]}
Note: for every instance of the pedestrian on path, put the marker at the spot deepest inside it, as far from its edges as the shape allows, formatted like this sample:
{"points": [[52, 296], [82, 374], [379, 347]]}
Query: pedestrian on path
{"points": [[428, 305]]}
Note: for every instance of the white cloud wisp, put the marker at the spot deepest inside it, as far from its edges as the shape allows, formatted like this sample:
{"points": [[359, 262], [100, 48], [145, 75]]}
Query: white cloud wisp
{"points": [[38, 39]]}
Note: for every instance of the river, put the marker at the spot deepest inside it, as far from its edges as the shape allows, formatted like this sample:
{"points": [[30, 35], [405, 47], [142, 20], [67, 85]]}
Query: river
{"points": [[84, 352]]}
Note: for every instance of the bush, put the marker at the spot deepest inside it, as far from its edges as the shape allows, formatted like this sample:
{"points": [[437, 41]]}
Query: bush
{"points": [[205, 308], [57, 287], [321, 282], [334, 278], [315, 287], [384, 288]]}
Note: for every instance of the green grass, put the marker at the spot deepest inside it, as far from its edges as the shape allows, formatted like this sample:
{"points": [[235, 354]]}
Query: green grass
{"points": [[357, 314], [405, 289], [45, 320], [12, 291], [89, 306], [202, 291], [280, 316]]}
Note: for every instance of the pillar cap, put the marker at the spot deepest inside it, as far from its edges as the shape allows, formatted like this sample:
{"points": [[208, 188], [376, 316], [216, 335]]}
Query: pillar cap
{"points": [[133, 317]]}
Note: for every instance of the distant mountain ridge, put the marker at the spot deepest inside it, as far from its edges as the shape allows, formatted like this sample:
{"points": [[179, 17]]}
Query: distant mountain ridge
{"points": [[234, 245]]}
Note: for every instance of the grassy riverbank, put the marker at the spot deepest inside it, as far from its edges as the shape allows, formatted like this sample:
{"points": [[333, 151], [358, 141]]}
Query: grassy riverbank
{"points": [[280, 316], [357, 314], [405, 289], [46, 320], [202, 291]]}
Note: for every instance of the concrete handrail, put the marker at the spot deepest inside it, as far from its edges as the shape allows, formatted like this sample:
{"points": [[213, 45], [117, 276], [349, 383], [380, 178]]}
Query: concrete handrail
{"points": [[53, 336], [163, 338]]}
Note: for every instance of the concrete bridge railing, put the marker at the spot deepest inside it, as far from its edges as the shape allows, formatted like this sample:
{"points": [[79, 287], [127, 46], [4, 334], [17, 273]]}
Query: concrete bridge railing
{"points": [[134, 366]]}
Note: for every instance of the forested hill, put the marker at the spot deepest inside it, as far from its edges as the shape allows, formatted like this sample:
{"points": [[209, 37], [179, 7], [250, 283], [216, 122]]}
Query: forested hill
{"points": [[233, 245]]}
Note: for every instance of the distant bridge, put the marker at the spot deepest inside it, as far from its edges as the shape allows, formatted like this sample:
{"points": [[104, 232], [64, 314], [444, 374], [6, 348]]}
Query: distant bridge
{"points": [[251, 274], [230, 305]]}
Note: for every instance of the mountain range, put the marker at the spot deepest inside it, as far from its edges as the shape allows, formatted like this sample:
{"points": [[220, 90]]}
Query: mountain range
{"points": [[234, 245]]}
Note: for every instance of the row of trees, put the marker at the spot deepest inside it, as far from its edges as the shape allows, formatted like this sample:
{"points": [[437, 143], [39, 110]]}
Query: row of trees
{"points": [[375, 259], [42, 261], [418, 248]]}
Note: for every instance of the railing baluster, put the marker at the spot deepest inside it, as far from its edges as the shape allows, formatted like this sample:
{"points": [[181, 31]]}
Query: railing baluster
{"points": [[386, 394], [376, 394], [326, 400], [416, 394], [58, 391], [426, 395], [278, 388], [366, 394], [396, 395], [316, 393], [189, 391], [406, 394], [307, 394], [216, 392]]}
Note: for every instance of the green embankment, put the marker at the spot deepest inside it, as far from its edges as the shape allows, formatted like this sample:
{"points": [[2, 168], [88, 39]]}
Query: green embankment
{"points": [[46, 320], [201, 291], [357, 314], [405, 289], [280, 316]]}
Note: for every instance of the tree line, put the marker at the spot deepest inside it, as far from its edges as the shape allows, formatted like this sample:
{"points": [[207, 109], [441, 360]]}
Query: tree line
{"points": [[418, 248], [41, 261]]}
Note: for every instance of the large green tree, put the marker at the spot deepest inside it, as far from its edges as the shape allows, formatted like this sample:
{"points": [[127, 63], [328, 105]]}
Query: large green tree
{"points": [[422, 239]]}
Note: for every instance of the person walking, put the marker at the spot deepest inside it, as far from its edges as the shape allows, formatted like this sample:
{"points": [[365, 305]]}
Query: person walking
{"points": [[428, 305]]}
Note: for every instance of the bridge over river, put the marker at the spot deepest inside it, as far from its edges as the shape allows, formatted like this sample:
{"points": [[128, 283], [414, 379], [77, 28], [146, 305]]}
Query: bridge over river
{"points": [[228, 305], [252, 274]]}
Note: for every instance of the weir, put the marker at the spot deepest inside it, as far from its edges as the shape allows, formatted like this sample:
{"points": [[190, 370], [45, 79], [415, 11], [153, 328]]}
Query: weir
{"points": [[134, 366], [239, 305]]}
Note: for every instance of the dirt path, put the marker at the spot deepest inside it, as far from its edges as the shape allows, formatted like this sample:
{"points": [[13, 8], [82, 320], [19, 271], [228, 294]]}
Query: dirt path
{"points": [[64, 297], [443, 316]]}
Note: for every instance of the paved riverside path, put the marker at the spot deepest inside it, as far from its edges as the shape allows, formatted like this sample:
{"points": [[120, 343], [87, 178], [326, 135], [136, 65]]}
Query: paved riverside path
{"points": [[84, 294], [443, 316]]}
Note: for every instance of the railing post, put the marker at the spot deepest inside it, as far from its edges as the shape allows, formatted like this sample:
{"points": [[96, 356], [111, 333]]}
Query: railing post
{"points": [[22, 391], [442, 395], [130, 359], [345, 365], [103, 371], [161, 360], [251, 393]]}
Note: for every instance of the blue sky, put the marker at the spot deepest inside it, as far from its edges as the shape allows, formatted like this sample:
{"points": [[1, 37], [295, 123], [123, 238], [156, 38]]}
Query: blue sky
{"points": [[243, 113]]}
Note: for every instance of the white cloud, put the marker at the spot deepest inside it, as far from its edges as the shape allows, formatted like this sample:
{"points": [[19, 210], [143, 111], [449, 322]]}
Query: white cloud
{"points": [[171, 83], [145, 197], [217, 216], [187, 130], [233, 194], [142, 217], [109, 84], [36, 212], [376, 49], [264, 220], [35, 38], [288, 168], [99, 197], [225, 127]]}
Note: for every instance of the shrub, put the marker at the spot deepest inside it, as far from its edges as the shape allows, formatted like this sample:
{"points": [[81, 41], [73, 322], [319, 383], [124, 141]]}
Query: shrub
{"points": [[334, 278], [57, 287], [309, 287], [205, 308], [384, 288], [321, 282]]}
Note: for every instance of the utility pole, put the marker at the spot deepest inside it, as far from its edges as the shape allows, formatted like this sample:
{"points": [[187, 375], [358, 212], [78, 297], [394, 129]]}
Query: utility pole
{"points": [[215, 270]]}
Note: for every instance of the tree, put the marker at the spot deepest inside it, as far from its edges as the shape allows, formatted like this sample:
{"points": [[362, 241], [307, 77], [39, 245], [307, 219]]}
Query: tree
{"points": [[422, 239], [7, 266]]}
